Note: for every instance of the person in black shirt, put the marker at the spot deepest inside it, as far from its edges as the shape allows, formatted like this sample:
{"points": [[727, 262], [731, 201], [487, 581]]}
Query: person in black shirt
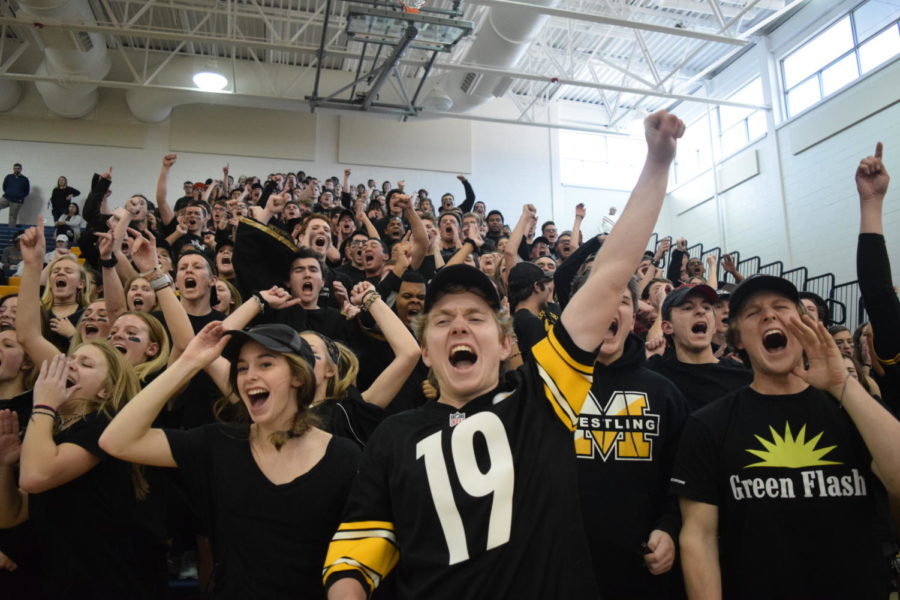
{"points": [[472, 496], [777, 481], [689, 323], [344, 409], [80, 500], [626, 441], [530, 290], [61, 196], [269, 492]]}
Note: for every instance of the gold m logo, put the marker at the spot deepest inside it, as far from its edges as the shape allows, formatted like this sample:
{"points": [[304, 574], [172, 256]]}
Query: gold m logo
{"points": [[623, 428]]}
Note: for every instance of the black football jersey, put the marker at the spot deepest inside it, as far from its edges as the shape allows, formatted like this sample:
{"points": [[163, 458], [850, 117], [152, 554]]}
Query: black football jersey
{"points": [[480, 502]]}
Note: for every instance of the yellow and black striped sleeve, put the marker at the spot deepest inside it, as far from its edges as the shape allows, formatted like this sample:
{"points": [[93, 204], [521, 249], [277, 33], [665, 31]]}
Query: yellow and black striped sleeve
{"points": [[364, 550], [567, 372]]}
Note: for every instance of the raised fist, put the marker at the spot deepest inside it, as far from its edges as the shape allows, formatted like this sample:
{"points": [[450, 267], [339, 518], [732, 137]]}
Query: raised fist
{"points": [[662, 129]]}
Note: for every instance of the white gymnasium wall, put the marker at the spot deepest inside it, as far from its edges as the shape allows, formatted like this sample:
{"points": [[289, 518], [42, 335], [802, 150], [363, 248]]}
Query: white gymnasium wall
{"points": [[801, 208], [507, 164]]}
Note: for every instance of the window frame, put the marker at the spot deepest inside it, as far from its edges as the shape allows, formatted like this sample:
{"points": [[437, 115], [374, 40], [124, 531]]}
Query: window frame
{"points": [[817, 74]]}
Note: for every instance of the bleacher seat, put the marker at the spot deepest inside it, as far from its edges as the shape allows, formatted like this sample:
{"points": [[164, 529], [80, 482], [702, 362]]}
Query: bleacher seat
{"points": [[8, 289]]}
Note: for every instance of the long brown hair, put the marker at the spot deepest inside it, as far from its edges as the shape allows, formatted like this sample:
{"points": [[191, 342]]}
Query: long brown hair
{"points": [[304, 419]]}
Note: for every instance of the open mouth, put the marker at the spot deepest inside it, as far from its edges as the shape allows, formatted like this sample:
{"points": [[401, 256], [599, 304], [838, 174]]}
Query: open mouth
{"points": [[60, 283], [190, 283], [69, 382], [138, 303], [226, 260], [614, 327], [307, 286], [462, 356], [774, 340], [320, 242], [90, 329], [120, 347], [700, 328], [257, 397], [368, 257], [448, 230]]}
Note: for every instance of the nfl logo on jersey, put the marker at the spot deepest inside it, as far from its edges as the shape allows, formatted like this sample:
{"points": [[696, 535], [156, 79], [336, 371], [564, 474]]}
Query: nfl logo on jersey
{"points": [[457, 418]]}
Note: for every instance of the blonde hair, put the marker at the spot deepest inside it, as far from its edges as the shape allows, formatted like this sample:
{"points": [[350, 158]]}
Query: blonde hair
{"points": [[82, 296], [346, 367], [304, 419], [121, 385], [158, 335]]}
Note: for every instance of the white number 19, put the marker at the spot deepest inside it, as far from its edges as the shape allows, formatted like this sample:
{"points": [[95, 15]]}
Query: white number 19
{"points": [[498, 480]]}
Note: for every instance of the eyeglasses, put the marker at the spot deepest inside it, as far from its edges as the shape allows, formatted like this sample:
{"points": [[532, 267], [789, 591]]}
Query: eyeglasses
{"points": [[358, 242]]}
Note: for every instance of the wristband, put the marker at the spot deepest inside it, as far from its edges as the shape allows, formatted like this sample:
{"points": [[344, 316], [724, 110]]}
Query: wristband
{"points": [[471, 241], [45, 407], [109, 263], [146, 274], [160, 282], [369, 299], [262, 301]]}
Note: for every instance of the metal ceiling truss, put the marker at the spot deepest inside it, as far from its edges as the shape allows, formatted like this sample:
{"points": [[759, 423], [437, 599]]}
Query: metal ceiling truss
{"points": [[582, 51]]}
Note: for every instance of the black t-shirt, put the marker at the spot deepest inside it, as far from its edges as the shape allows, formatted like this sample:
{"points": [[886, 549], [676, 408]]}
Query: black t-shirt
{"points": [[85, 527], [21, 404], [351, 417], [194, 406], [268, 540], [792, 480], [479, 502], [701, 384], [529, 330]]}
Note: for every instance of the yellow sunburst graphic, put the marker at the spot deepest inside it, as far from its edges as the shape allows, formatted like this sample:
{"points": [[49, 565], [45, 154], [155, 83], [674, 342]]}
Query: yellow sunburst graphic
{"points": [[791, 452]]}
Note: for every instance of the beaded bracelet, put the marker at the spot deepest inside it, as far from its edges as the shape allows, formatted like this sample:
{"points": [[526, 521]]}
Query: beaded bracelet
{"points": [[369, 299]]}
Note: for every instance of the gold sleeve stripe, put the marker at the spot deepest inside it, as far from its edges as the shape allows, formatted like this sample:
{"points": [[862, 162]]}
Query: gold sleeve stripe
{"points": [[889, 361], [558, 349], [373, 556], [885, 361], [271, 231], [576, 388]]}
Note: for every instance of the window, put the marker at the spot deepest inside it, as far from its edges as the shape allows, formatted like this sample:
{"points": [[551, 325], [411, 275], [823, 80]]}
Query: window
{"points": [[693, 156], [857, 43], [600, 161], [740, 126]]}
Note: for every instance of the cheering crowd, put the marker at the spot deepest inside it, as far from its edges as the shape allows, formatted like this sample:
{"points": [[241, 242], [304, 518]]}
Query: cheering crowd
{"points": [[321, 389]]}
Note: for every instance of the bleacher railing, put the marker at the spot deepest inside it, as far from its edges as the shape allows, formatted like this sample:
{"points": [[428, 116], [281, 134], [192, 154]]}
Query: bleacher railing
{"points": [[848, 297], [796, 276]]}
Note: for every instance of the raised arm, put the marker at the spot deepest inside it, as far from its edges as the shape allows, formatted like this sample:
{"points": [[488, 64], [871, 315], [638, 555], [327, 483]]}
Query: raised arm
{"points": [[143, 252], [576, 226], [872, 263], [469, 202], [113, 292], [471, 244], [593, 307], [45, 464], [417, 228], [406, 349], [165, 211], [527, 219], [712, 272], [699, 543], [131, 436], [28, 319], [363, 218]]}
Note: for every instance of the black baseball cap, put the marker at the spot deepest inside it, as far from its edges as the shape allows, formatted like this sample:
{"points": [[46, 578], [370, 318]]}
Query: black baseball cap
{"points": [[526, 274], [466, 277], [274, 336], [760, 283], [541, 239], [347, 213], [679, 295]]}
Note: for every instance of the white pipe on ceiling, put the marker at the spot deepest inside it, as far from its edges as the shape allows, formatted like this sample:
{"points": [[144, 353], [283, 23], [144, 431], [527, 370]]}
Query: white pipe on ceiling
{"points": [[68, 54]]}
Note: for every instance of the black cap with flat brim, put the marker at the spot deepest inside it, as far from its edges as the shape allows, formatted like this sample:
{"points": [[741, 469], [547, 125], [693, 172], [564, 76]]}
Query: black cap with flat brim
{"points": [[461, 277], [275, 337], [679, 296], [760, 283]]}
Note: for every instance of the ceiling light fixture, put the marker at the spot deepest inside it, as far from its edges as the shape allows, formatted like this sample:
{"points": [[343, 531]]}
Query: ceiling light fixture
{"points": [[210, 78]]}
